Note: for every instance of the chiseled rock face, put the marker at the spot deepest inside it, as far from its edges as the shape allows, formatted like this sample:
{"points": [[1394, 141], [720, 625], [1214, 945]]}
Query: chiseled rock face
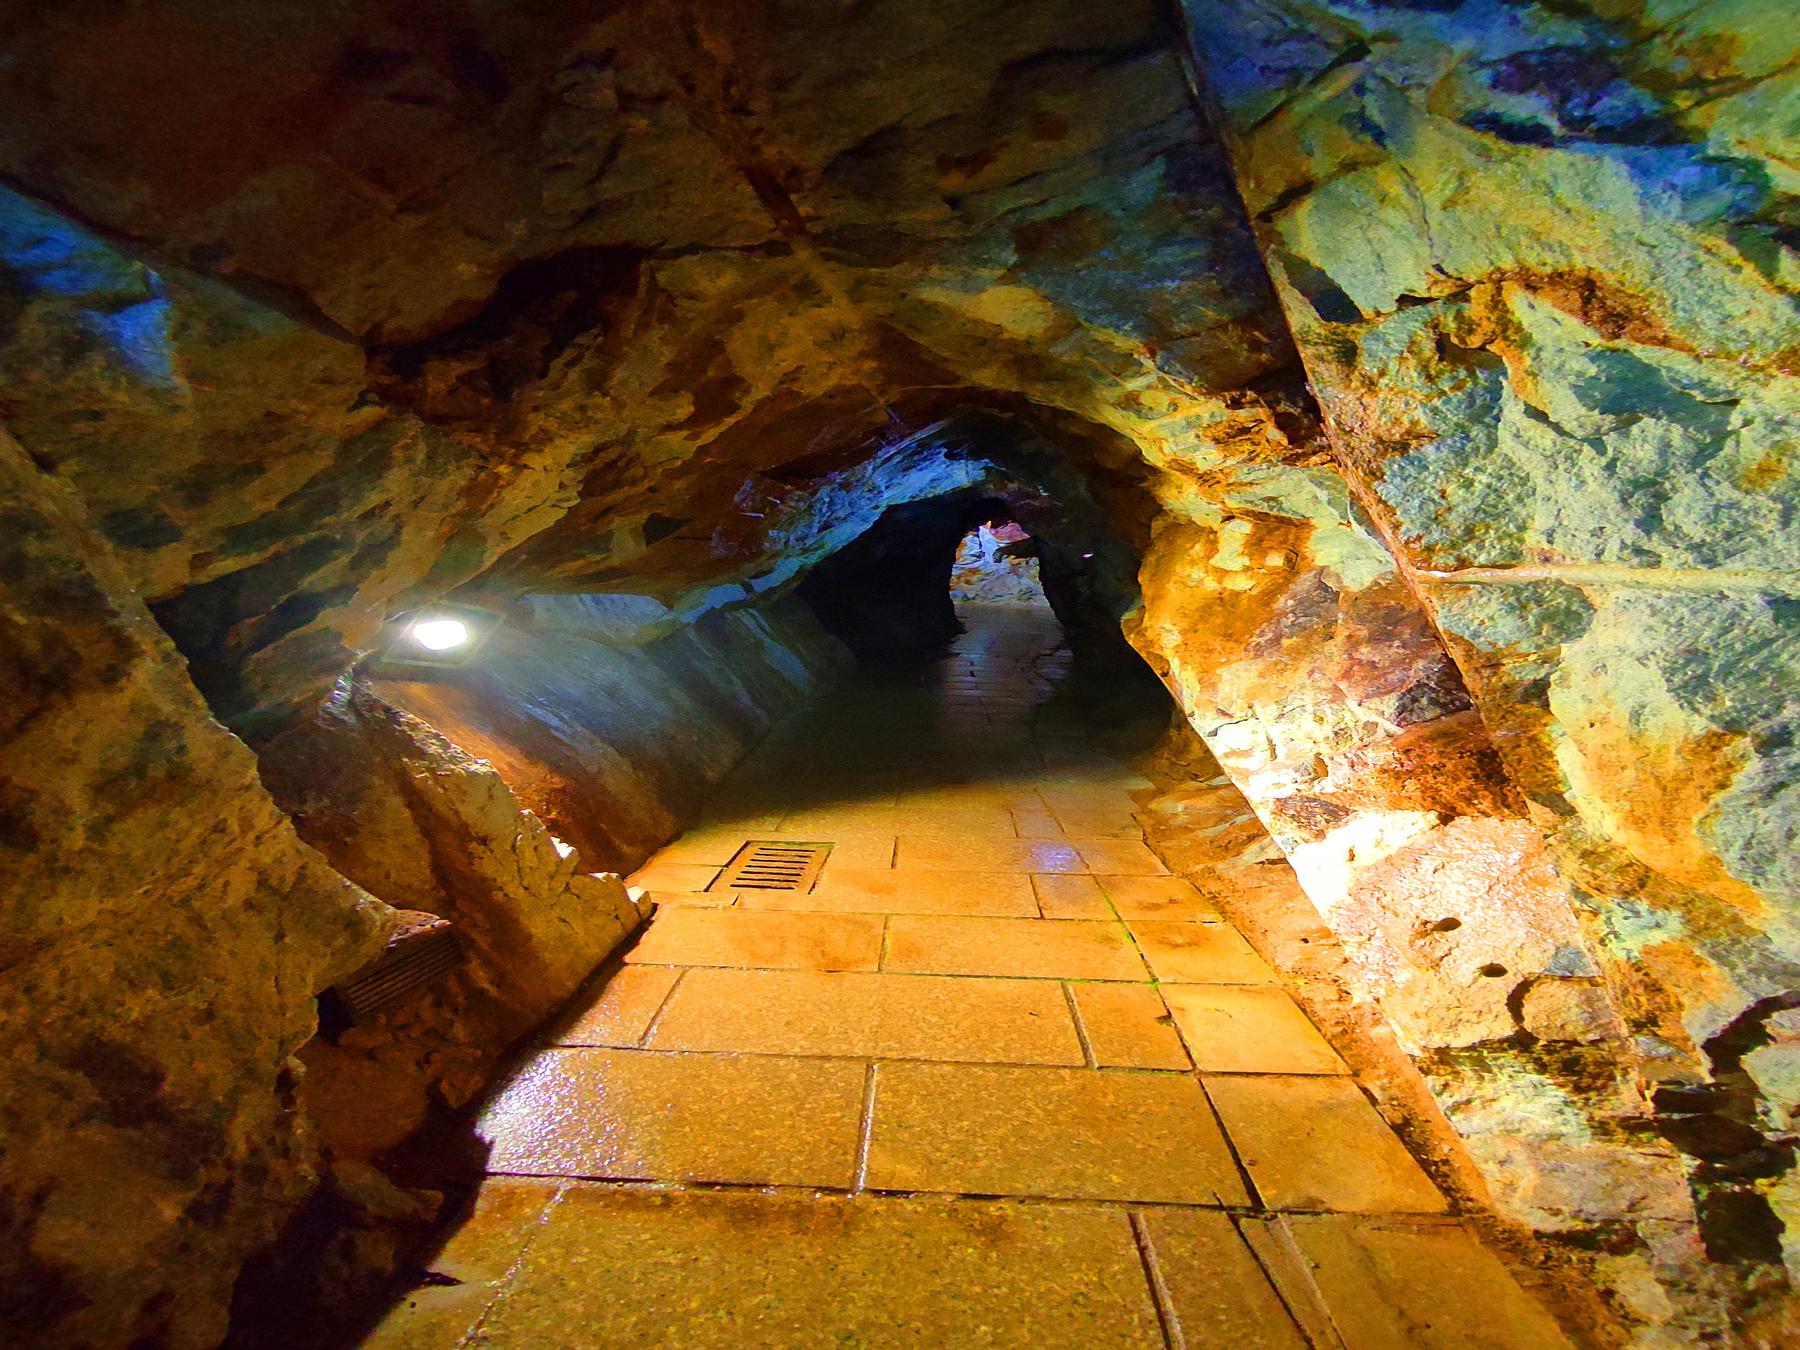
{"points": [[1549, 311], [590, 290], [1321, 687], [420, 822], [165, 933], [1539, 264]]}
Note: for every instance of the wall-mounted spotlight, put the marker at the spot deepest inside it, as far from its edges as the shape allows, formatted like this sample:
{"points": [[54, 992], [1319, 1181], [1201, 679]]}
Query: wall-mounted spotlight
{"points": [[438, 635]]}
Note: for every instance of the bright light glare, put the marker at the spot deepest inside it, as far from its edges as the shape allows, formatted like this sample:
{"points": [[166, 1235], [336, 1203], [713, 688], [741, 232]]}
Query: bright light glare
{"points": [[440, 635]]}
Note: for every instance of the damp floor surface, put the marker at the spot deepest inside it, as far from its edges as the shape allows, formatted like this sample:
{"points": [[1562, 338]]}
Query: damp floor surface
{"points": [[992, 1076]]}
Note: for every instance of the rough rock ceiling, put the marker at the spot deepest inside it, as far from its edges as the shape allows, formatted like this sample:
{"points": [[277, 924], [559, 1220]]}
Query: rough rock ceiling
{"points": [[569, 278]]}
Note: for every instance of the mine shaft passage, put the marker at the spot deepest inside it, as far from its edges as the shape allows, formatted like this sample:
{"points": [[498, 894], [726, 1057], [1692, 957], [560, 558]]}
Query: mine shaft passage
{"points": [[991, 987], [1063, 672]]}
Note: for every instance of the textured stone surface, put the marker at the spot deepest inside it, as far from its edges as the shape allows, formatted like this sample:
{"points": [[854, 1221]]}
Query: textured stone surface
{"points": [[1538, 262], [1293, 1135], [635, 1115], [1076, 949], [762, 940], [423, 824], [611, 739], [803, 1012], [1071, 1133], [322, 316], [165, 932], [1248, 1029], [1373, 1277], [1197, 1253], [1127, 1026], [780, 1270]]}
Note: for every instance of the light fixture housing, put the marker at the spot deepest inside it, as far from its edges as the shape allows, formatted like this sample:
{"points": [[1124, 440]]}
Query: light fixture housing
{"points": [[436, 636]]}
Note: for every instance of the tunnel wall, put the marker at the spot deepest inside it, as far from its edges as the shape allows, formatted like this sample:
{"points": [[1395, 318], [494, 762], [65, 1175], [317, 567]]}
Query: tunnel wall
{"points": [[614, 733], [1322, 689], [306, 370], [164, 931], [580, 736], [1532, 257]]}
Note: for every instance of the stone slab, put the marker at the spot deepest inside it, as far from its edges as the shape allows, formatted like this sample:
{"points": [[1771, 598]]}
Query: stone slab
{"points": [[1070, 1133], [1317, 1144], [1203, 953], [1249, 1028], [1217, 1292], [474, 1263], [619, 1012], [1118, 857], [996, 855], [637, 1115], [674, 876], [1076, 949], [1388, 1284], [726, 1271], [886, 1016], [1150, 897], [766, 939], [1071, 896], [1128, 1027], [907, 890]]}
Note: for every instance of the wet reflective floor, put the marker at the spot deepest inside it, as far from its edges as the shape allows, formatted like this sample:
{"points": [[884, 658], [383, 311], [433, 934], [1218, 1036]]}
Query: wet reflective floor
{"points": [[993, 1077]]}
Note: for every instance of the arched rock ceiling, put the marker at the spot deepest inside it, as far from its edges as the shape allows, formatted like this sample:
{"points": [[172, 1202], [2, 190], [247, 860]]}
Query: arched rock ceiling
{"points": [[569, 279]]}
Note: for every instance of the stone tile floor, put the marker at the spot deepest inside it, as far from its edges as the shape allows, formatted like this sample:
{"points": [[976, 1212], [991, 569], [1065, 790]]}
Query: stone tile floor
{"points": [[997, 1079]]}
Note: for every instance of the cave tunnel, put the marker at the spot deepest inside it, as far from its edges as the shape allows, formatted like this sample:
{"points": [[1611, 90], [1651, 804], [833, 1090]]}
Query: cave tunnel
{"points": [[698, 673]]}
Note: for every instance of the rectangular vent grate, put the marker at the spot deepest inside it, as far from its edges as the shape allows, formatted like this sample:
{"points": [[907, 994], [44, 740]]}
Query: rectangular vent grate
{"points": [[770, 865], [423, 948]]}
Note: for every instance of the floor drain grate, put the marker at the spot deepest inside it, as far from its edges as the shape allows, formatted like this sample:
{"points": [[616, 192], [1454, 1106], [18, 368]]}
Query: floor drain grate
{"points": [[766, 865]]}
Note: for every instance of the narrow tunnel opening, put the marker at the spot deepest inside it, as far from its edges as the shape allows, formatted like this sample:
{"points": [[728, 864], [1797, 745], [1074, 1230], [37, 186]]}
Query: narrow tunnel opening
{"points": [[902, 593], [997, 563]]}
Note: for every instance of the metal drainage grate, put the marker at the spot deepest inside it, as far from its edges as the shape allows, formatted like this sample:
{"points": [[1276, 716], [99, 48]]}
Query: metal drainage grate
{"points": [[421, 949], [770, 865]]}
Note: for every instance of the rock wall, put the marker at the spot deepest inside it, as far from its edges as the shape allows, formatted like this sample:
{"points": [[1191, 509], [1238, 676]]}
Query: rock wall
{"points": [[323, 316], [426, 826], [1323, 691], [1538, 260], [611, 717], [164, 932]]}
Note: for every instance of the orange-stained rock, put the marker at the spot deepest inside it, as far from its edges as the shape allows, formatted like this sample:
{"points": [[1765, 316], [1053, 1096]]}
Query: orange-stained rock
{"points": [[165, 931]]}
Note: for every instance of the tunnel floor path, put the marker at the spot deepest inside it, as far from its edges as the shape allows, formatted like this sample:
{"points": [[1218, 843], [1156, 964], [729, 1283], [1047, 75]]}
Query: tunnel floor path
{"points": [[996, 1078]]}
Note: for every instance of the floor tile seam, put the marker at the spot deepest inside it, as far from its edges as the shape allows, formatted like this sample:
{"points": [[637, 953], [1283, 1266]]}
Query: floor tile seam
{"points": [[1302, 1269], [656, 1017], [891, 914], [944, 974], [567, 1182], [883, 1057], [1231, 1147], [865, 1137], [1159, 1289], [503, 1287], [1036, 980], [1081, 1034]]}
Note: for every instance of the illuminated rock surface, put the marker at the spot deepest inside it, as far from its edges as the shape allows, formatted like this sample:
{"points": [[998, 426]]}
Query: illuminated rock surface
{"points": [[1413, 386]]}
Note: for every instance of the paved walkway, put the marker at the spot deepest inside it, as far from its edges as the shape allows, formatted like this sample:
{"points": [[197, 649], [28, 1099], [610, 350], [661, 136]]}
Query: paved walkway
{"points": [[996, 1078]]}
